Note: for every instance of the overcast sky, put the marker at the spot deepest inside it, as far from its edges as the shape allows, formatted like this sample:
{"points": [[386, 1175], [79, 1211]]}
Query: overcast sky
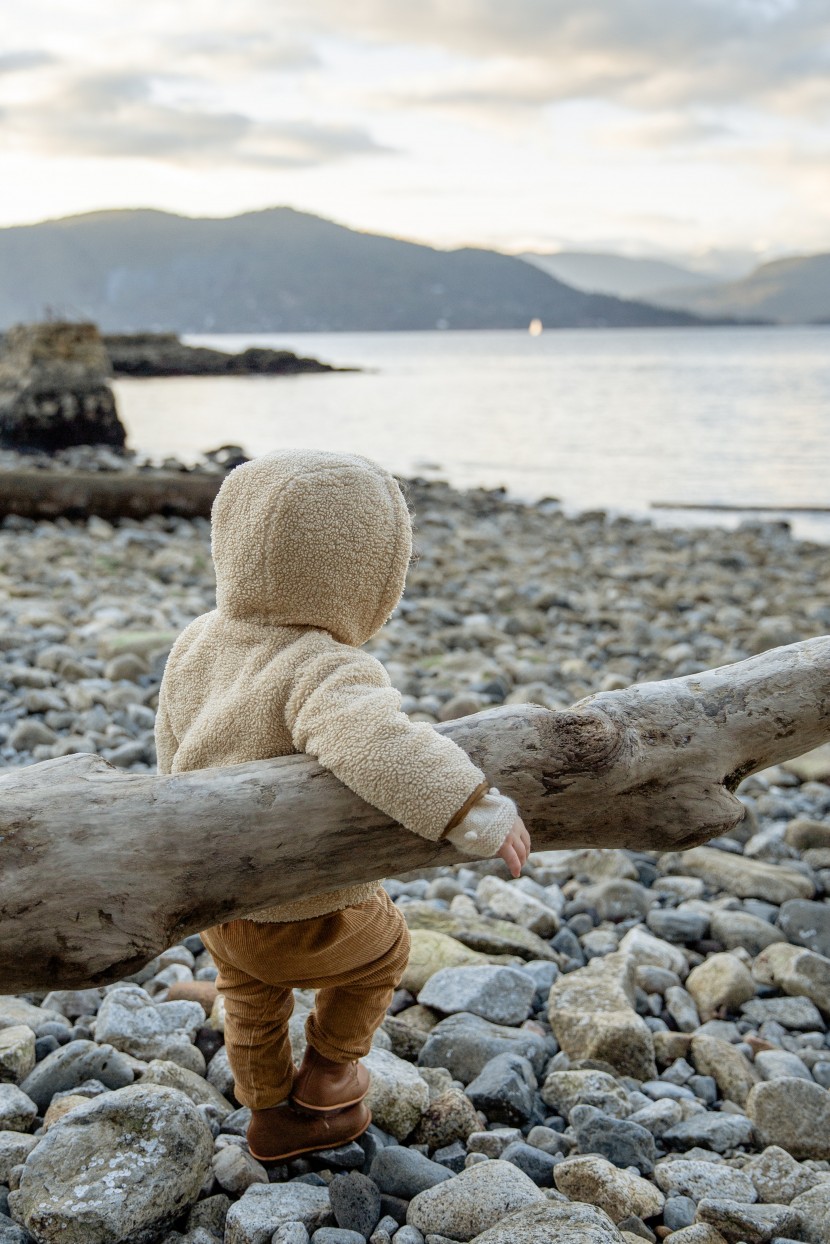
{"points": [[643, 126]]}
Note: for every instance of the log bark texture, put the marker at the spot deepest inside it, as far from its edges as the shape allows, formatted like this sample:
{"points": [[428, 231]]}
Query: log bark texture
{"points": [[100, 869], [109, 494]]}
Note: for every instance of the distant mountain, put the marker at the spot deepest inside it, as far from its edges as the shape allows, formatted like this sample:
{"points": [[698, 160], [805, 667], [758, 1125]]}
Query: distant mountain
{"points": [[278, 270], [601, 273], [789, 291]]}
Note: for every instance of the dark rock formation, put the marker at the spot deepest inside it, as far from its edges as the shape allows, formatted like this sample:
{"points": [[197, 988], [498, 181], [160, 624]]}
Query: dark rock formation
{"points": [[163, 354], [54, 389]]}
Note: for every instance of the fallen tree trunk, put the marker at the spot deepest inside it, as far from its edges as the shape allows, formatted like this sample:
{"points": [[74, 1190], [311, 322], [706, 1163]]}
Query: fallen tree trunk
{"points": [[100, 869], [108, 494]]}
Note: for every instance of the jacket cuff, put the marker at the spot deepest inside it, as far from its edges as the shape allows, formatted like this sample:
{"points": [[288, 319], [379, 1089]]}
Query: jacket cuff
{"points": [[483, 830]]}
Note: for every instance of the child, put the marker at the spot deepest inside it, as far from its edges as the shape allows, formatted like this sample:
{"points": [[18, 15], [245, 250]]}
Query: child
{"points": [[311, 551]]}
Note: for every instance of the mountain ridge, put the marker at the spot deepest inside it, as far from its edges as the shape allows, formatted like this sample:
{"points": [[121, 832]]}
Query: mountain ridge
{"points": [[278, 269]]}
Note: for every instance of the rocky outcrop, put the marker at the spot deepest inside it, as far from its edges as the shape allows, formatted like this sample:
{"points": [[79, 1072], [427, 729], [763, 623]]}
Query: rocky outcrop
{"points": [[163, 354], [54, 389]]}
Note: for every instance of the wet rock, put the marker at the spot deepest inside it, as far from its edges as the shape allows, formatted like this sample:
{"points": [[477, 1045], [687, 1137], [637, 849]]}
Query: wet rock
{"points": [[122, 1165]]}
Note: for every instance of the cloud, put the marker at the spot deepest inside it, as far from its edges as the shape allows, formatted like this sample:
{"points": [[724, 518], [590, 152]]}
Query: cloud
{"points": [[27, 58], [120, 115], [641, 53]]}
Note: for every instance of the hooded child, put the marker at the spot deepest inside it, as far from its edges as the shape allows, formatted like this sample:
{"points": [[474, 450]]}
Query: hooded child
{"points": [[311, 551]]}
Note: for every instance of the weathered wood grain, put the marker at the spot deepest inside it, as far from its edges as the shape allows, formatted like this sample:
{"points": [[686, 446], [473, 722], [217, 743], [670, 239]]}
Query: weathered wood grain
{"points": [[101, 869]]}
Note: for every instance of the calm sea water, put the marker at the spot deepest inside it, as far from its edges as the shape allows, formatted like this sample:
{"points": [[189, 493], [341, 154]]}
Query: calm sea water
{"points": [[617, 419]]}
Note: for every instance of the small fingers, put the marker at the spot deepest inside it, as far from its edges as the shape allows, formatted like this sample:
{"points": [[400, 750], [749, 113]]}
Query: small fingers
{"points": [[511, 859]]}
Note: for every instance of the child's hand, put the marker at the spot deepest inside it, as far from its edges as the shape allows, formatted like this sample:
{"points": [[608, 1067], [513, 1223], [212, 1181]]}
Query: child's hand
{"points": [[516, 847]]}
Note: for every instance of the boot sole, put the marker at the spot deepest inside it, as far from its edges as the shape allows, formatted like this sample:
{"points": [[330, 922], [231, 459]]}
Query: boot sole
{"points": [[296, 1153]]}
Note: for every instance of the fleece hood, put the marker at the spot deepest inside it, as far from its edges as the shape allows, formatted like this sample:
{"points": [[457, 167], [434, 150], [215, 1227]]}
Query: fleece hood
{"points": [[309, 538]]}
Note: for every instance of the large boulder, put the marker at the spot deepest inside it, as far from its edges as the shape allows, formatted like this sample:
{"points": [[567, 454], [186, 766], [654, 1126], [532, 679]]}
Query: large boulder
{"points": [[54, 389], [117, 1168]]}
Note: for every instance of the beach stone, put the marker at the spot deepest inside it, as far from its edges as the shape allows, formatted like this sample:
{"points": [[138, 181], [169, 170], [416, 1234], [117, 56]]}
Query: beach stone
{"points": [[773, 1064], [210, 1214], [11, 1233], [62, 1104], [721, 981], [552, 1223], [15, 1147], [619, 899], [17, 1110], [535, 1163], [796, 971], [502, 995], [619, 1140], [431, 952], [494, 1142], [508, 902], [131, 1021], [733, 1073], [74, 1002], [746, 878], [739, 928], [696, 1179], [16, 1011], [403, 1172], [17, 1053], [748, 1224], [199, 1090], [700, 1233], [563, 1090], [813, 766], [450, 1116], [398, 1096], [778, 1177], [792, 1114], [591, 1012], [72, 1064], [467, 1204], [646, 949], [710, 1131], [804, 833], [806, 924], [464, 1043], [263, 1208], [503, 1089], [235, 1169], [799, 1014], [355, 1202], [488, 935], [618, 1192], [676, 924], [115, 1169], [658, 1116], [813, 1207]]}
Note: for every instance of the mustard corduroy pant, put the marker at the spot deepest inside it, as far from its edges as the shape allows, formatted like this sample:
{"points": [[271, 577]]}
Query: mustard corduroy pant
{"points": [[354, 958]]}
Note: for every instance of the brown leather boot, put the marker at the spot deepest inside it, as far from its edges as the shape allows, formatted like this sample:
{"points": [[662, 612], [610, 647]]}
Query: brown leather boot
{"points": [[321, 1085], [204, 992], [280, 1133]]}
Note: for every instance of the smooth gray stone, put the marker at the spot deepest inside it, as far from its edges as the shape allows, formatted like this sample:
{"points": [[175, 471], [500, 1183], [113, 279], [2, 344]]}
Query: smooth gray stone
{"points": [[797, 1014], [405, 1172], [806, 923], [711, 1131], [355, 1202], [503, 1090], [465, 1043], [70, 1065], [621, 1142]]}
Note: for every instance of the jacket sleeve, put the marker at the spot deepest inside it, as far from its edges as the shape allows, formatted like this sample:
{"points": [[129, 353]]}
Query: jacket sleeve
{"points": [[166, 743], [345, 712], [485, 827]]}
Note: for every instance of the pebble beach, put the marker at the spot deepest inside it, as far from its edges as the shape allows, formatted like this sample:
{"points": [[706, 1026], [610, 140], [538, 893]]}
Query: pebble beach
{"points": [[620, 1046]]}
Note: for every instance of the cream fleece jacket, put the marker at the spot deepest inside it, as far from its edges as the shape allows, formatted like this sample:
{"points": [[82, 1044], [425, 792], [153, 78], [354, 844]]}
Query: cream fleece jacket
{"points": [[311, 551]]}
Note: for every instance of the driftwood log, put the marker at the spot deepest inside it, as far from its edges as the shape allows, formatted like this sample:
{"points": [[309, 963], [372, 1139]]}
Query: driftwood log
{"points": [[108, 494], [100, 869]]}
